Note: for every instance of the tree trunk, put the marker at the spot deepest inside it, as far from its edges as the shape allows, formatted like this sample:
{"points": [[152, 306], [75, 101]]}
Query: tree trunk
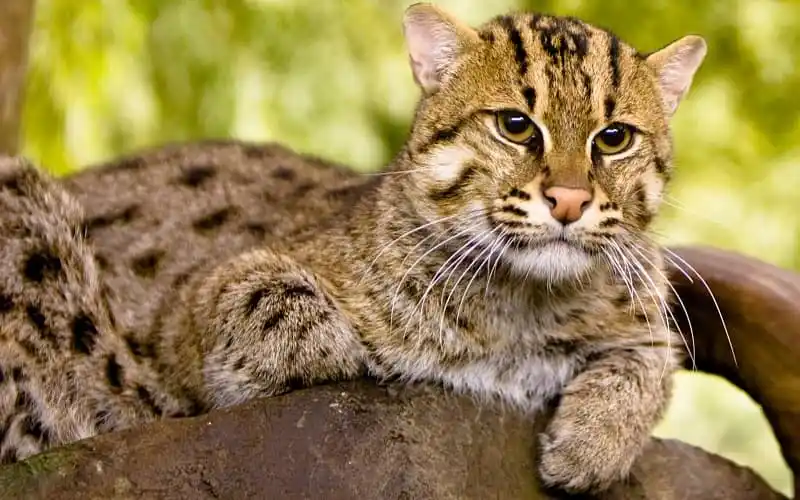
{"points": [[16, 18]]}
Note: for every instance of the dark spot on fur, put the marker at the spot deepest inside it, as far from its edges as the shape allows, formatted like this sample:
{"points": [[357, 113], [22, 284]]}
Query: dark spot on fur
{"points": [[102, 261], [23, 401], [255, 299], [114, 374], [644, 215], [467, 174], [33, 427], [297, 289], [284, 173], [610, 105], [146, 265], [622, 300], [131, 163], [84, 334], [661, 165], [271, 322], [252, 151], [197, 175], [257, 229], [6, 303], [324, 352], [124, 216], [185, 275], [33, 350], [295, 383], [2, 375], [18, 374], [196, 404], [522, 195], [514, 36], [562, 347], [511, 209], [38, 319], [487, 36], [140, 349], [444, 135], [610, 222], [516, 223], [530, 97], [238, 365], [41, 265], [352, 192], [213, 220], [101, 417], [8, 456], [613, 56], [148, 400], [13, 183], [301, 190], [562, 37]]}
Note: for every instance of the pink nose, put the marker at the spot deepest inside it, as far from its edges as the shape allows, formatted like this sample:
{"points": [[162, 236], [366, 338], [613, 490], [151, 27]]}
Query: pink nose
{"points": [[567, 204]]}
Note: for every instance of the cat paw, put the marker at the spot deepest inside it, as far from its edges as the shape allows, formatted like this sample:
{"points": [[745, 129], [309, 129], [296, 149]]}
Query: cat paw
{"points": [[577, 458]]}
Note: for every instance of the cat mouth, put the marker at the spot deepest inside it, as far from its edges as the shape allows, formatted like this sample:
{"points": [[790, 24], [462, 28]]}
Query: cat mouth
{"points": [[527, 241], [558, 241]]}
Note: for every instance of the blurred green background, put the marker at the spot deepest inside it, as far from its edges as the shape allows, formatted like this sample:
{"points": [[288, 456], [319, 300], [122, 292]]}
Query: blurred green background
{"points": [[330, 77]]}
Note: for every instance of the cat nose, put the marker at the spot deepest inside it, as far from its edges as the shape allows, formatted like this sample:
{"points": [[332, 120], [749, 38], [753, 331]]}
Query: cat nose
{"points": [[567, 204]]}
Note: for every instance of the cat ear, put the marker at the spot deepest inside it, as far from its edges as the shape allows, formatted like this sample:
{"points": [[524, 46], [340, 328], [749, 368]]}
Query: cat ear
{"points": [[435, 41], [675, 66]]}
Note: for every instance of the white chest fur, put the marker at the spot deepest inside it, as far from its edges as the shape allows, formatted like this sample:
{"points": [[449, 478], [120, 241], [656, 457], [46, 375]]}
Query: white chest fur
{"points": [[526, 383]]}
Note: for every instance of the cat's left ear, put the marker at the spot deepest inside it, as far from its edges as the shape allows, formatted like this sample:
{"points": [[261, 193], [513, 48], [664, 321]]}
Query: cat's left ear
{"points": [[435, 42], [675, 66]]}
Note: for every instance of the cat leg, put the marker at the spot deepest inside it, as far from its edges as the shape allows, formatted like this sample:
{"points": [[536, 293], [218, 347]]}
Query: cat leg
{"points": [[267, 326], [605, 417], [64, 373]]}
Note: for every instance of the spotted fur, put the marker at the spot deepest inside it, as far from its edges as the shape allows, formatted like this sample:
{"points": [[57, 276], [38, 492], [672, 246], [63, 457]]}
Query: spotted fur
{"points": [[203, 275]]}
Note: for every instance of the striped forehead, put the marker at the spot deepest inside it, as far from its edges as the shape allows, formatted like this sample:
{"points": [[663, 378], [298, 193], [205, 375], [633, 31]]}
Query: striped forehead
{"points": [[569, 72]]}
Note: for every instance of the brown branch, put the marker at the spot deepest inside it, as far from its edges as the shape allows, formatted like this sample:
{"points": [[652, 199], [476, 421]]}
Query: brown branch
{"points": [[359, 441], [15, 27], [348, 441], [761, 306]]}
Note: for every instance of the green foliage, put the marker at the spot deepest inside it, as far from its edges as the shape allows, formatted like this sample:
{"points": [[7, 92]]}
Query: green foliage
{"points": [[331, 78]]}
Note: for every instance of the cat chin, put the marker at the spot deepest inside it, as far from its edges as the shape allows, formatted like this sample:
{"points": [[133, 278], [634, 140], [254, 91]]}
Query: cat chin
{"points": [[553, 262]]}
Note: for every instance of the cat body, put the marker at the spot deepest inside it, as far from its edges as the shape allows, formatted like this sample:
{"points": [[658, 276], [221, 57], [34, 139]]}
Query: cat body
{"points": [[503, 253]]}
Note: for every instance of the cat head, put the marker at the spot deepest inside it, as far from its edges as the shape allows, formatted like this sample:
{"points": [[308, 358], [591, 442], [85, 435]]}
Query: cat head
{"points": [[541, 138]]}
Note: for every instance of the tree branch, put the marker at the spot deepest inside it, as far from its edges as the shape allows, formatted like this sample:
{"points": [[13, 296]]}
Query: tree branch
{"points": [[358, 440], [15, 27]]}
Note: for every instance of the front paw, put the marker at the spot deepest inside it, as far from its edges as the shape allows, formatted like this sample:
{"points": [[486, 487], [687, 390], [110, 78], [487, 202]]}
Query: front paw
{"points": [[580, 456]]}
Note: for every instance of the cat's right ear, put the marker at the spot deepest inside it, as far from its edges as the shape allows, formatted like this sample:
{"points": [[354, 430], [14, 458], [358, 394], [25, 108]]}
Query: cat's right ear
{"points": [[435, 41], [675, 65]]}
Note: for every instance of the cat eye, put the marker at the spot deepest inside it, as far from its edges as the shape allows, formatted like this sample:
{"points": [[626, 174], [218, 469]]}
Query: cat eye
{"points": [[614, 139], [515, 126]]}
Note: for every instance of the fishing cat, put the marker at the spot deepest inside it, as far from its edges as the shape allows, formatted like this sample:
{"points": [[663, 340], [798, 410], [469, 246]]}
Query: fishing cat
{"points": [[503, 253]]}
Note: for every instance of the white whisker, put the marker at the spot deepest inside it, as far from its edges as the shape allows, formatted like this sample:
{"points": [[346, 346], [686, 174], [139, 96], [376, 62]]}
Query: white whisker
{"points": [[711, 294], [419, 259], [692, 353], [407, 233]]}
